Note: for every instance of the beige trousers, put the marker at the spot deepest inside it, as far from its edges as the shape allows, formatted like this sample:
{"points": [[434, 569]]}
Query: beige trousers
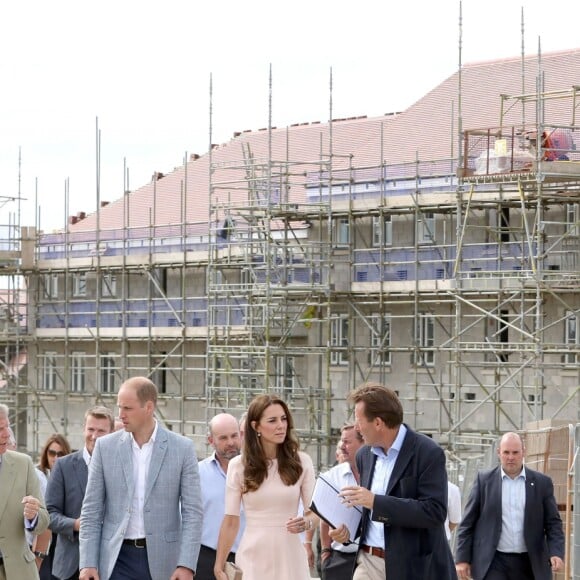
{"points": [[369, 567]]}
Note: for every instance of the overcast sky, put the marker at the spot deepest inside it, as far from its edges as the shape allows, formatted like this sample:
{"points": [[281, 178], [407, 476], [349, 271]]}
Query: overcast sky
{"points": [[143, 67]]}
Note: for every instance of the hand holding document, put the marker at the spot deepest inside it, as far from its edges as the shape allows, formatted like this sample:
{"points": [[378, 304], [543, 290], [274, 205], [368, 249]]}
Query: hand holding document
{"points": [[331, 507], [357, 495]]}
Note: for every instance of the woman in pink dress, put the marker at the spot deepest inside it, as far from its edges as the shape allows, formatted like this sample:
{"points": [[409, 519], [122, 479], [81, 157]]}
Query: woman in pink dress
{"points": [[268, 481]]}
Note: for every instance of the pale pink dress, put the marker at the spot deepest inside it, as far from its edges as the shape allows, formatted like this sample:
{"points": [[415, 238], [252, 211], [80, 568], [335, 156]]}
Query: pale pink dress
{"points": [[267, 551]]}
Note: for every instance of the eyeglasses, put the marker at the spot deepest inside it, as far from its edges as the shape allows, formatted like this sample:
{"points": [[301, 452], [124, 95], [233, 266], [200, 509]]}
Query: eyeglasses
{"points": [[55, 453]]}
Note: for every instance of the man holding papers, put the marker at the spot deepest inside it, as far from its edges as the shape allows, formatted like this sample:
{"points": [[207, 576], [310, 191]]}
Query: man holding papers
{"points": [[338, 559], [403, 490]]}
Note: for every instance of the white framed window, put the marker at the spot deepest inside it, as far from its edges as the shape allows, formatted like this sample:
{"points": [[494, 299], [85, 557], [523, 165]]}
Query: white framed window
{"points": [[159, 377], [109, 372], [424, 340], [246, 279], [159, 282], [50, 285], [80, 284], [49, 374], [217, 279], [381, 338], [108, 285], [285, 374], [77, 372], [573, 219], [382, 231], [339, 340], [426, 228], [341, 232], [248, 375], [571, 336]]}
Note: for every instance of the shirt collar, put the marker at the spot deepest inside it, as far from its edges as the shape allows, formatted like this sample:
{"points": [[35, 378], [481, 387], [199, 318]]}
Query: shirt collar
{"points": [[521, 474], [86, 455], [151, 439], [216, 462], [397, 443]]}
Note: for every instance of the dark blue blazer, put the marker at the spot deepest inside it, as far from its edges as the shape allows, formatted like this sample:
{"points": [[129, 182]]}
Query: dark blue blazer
{"points": [[480, 529], [64, 498], [413, 510]]}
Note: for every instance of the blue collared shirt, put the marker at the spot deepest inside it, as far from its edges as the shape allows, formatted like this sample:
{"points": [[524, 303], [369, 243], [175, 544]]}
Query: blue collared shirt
{"points": [[213, 491], [375, 532], [513, 503]]}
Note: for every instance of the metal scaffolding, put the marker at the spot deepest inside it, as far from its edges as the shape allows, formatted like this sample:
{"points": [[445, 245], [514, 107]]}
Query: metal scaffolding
{"points": [[453, 280]]}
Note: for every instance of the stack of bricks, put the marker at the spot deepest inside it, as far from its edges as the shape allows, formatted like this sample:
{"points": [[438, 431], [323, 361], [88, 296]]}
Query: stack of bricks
{"points": [[549, 447]]}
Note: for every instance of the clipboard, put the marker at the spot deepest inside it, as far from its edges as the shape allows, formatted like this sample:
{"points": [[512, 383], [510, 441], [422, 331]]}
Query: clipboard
{"points": [[328, 505]]}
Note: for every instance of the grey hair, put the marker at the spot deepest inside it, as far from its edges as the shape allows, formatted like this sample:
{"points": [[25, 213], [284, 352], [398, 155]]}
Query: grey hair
{"points": [[11, 437], [4, 412]]}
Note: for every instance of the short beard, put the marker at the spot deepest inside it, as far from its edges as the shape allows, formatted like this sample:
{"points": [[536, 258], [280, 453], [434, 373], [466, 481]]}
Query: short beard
{"points": [[229, 454]]}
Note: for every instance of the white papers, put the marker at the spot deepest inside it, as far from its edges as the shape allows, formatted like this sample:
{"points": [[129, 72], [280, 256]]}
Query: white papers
{"points": [[330, 507]]}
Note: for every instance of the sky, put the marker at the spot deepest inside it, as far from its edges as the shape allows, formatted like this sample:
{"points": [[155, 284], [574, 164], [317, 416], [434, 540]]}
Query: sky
{"points": [[140, 72]]}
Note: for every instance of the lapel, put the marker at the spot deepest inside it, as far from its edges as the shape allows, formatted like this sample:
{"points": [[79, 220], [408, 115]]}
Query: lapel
{"points": [[7, 479], [157, 457], [494, 486], [126, 458], [531, 496], [367, 474], [405, 454], [81, 470]]}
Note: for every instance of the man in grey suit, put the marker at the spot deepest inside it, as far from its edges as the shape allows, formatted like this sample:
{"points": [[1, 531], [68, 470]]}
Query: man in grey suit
{"points": [[511, 528], [142, 512], [66, 490]]}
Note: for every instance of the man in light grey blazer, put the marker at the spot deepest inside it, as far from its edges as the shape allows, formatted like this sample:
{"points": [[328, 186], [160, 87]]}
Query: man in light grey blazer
{"points": [[142, 512], [66, 490]]}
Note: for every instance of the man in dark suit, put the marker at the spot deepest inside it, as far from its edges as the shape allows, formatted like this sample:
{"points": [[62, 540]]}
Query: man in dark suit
{"points": [[403, 490], [66, 490], [511, 528]]}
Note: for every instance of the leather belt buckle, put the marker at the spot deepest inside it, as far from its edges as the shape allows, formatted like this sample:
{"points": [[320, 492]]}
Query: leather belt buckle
{"points": [[136, 543], [373, 551]]}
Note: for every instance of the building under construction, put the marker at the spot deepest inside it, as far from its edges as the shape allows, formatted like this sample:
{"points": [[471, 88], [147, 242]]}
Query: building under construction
{"points": [[436, 250]]}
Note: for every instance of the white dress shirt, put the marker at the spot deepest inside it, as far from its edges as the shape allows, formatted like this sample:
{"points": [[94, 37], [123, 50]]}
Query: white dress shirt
{"points": [[141, 461], [453, 507]]}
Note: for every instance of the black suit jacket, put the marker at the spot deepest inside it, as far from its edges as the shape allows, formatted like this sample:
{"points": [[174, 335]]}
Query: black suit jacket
{"points": [[479, 532], [413, 510]]}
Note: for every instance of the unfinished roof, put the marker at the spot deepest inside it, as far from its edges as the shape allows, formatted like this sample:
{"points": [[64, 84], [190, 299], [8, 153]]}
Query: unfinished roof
{"points": [[427, 130]]}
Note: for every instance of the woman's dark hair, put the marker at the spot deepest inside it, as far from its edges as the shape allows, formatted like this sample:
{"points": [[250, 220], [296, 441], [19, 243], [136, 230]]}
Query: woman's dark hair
{"points": [[61, 440], [253, 457]]}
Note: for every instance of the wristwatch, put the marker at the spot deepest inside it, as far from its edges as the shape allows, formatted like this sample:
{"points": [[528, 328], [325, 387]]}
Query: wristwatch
{"points": [[41, 555]]}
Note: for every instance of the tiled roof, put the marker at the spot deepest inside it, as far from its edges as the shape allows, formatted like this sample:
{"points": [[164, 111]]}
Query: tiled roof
{"points": [[426, 130]]}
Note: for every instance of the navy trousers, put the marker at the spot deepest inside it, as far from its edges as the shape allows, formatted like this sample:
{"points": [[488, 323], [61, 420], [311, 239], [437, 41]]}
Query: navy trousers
{"points": [[510, 567], [132, 564]]}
